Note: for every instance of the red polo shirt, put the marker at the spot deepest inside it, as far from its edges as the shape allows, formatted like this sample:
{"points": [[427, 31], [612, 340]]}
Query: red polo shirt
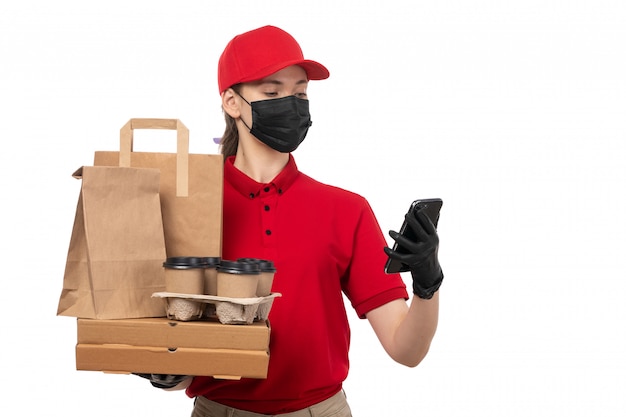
{"points": [[324, 242]]}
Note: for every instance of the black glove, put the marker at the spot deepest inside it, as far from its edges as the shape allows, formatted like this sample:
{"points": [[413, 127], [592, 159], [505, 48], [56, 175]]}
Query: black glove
{"points": [[421, 256], [163, 380]]}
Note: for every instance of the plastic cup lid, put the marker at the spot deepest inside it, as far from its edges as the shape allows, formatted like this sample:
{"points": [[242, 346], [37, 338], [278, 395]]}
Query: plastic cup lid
{"points": [[264, 264], [211, 261], [239, 267], [184, 262]]}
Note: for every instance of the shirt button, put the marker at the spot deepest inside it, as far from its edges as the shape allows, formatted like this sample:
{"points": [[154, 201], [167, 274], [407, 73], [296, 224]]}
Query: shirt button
{"points": [[268, 232], [251, 195], [267, 208], [266, 189], [280, 191]]}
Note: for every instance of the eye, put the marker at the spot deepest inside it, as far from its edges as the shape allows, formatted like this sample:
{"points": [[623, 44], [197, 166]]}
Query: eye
{"points": [[271, 93], [303, 95]]}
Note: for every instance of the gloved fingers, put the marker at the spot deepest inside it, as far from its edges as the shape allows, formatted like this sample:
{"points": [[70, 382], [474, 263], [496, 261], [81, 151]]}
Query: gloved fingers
{"points": [[163, 380], [392, 254], [414, 252], [404, 242], [425, 222], [422, 227], [166, 381], [405, 258]]}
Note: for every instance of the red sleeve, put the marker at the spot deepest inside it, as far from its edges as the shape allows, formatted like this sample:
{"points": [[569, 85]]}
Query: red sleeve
{"points": [[367, 286]]}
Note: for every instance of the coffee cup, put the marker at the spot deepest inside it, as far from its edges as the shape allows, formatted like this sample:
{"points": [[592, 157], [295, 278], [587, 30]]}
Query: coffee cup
{"points": [[184, 275], [236, 279], [210, 274], [266, 278]]}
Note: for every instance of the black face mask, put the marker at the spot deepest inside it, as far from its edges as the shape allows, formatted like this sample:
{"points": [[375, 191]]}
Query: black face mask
{"points": [[280, 123]]}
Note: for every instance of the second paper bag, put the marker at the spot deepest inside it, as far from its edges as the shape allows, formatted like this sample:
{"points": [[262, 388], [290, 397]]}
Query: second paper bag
{"points": [[191, 188], [114, 262]]}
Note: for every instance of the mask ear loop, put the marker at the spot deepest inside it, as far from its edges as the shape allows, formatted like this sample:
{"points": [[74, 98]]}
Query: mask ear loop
{"points": [[236, 92], [241, 118]]}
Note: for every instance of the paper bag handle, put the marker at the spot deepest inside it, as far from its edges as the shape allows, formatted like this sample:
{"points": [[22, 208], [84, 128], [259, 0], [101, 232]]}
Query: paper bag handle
{"points": [[182, 147]]}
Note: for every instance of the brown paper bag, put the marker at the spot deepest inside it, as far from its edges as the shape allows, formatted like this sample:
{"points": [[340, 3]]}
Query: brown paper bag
{"points": [[115, 259], [191, 188]]}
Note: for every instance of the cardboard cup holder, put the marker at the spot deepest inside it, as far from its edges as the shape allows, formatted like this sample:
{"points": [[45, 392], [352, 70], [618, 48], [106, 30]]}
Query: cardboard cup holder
{"points": [[228, 310], [183, 310]]}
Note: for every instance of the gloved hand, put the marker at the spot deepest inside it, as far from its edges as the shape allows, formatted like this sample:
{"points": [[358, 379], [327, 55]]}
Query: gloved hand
{"points": [[163, 380], [421, 256]]}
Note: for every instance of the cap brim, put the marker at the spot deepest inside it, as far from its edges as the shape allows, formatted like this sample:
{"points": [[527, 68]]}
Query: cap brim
{"points": [[314, 70]]}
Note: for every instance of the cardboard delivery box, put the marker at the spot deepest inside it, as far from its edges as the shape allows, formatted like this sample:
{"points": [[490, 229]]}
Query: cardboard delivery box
{"points": [[164, 346]]}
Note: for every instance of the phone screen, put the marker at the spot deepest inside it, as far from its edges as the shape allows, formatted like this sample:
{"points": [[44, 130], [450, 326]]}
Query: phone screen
{"points": [[432, 207]]}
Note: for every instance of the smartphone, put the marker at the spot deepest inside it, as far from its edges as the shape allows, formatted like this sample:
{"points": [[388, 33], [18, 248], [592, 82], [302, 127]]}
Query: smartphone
{"points": [[432, 208]]}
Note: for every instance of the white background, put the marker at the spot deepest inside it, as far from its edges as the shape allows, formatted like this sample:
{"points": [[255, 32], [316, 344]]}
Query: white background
{"points": [[513, 112]]}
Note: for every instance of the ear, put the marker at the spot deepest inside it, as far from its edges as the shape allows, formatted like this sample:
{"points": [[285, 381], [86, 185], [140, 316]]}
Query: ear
{"points": [[230, 104]]}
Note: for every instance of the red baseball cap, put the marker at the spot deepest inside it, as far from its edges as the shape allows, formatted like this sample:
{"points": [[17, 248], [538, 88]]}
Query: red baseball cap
{"points": [[261, 52]]}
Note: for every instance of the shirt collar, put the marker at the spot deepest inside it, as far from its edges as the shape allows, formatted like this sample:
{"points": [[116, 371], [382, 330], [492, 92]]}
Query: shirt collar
{"points": [[250, 188]]}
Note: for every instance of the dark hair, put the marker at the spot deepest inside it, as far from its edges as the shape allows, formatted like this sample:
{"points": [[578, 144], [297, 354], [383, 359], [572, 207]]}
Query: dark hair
{"points": [[230, 139]]}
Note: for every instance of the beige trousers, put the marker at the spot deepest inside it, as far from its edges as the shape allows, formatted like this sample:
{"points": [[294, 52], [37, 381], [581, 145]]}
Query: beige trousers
{"points": [[335, 406]]}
